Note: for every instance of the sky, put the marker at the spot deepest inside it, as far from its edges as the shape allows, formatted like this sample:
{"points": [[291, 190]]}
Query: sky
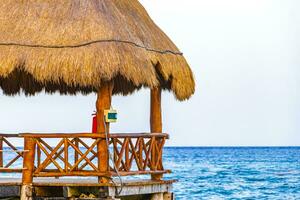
{"points": [[245, 58]]}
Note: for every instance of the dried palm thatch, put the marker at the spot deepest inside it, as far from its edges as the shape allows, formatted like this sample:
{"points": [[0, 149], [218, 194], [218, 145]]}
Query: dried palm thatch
{"points": [[74, 46]]}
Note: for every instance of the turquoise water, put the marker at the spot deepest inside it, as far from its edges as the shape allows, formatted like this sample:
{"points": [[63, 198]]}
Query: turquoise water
{"points": [[235, 173], [232, 173]]}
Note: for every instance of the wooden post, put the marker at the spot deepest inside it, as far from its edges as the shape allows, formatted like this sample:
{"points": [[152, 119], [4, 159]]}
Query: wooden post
{"points": [[155, 123], [103, 103], [28, 165], [38, 156], [66, 154], [155, 112], [76, 155]]}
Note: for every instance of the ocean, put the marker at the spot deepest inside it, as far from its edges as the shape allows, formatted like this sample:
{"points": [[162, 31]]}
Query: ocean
{"points": [[232, 172], [235, 172]]}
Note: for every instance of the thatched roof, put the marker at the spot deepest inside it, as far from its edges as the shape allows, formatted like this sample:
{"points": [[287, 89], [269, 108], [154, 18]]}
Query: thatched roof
{"points": [[73, 46]]}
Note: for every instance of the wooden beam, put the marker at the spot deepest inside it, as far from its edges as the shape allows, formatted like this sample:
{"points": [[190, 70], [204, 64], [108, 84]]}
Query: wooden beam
{"points": [[155, 124], [28, 161], [28, 165], [155, 112], [76, 173], [103, 103], [60, 135]]}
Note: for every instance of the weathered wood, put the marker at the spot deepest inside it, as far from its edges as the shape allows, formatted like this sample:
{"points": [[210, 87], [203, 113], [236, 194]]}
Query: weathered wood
{"points": [[138, 135], [140, 153], [142, 188], [39, 154], [157, 196], [155, 123], [57, 154], [9, 135], [155, 111], [73, 173], [86, 182], [148, 153], [83, 155], [4, 140], [127, 161], [103, 103], [50, 187], [86, 163], [61, 135], [132, 155], [49, 157], [28, 161], [12, 146], [76, 155], [131, 173], [85, 145], [169, 196], [134, 152], [10, 170], [92, 135], [26, 192], [66, 154], [162, 196], [89, 160], [12, 161], [28, 165], [160, 157], [46, 191], [120, 154]]}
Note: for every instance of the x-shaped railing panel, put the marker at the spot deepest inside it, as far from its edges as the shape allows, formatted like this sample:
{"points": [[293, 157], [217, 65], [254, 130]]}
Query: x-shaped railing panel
{"points": [[60, 157], [145, 154], [10, 155]]}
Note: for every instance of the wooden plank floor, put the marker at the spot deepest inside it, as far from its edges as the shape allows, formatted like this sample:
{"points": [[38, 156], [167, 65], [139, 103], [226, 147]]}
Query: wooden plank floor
{"points": [[10, 187], [85, 182]]}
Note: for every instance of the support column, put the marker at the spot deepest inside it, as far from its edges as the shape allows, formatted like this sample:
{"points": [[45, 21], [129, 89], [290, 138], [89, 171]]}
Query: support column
{"points": [[155, 112], [103, 103], [155, 123], [162, 196], [28, 165]]}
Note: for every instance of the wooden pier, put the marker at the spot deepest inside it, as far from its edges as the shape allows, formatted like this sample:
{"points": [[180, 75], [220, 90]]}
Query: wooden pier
{"points": [[60, 166], [103, 47]]}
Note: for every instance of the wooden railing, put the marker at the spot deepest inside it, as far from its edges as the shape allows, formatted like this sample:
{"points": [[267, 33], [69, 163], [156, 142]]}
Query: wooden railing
{"points": [[10, 155], [138, 153], [61, 152], [56, 155]]}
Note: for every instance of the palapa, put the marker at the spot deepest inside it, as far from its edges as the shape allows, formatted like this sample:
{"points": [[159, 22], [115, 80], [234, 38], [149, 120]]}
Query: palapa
{"points": [[73, 46]]}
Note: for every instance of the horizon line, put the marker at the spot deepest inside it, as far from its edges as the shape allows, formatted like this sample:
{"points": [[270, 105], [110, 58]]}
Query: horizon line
{"points": [[236, 146]]}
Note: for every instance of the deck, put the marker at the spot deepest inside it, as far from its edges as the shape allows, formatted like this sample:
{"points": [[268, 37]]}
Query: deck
{"points": [[70, 165], [69, 187]]}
